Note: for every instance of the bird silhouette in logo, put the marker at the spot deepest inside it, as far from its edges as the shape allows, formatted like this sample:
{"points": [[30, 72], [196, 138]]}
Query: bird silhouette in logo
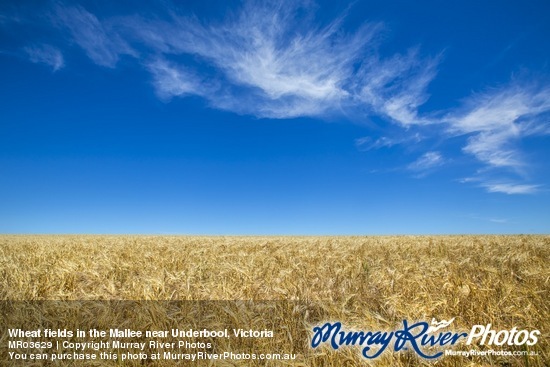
{"points": [[436, 325]]}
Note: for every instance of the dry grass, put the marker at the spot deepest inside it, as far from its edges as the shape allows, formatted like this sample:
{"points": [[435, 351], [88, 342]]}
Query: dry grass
{"points": [[370, 283]]}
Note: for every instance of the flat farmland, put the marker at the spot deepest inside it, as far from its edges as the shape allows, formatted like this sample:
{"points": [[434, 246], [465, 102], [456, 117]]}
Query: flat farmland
{"points": [[367, 283]]}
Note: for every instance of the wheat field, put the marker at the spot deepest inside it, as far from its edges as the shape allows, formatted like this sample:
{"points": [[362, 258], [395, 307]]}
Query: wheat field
{"points": [[290, 283]]}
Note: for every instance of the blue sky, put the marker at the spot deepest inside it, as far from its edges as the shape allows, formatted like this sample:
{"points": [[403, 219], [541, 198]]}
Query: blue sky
{"points": [[275, 117]]}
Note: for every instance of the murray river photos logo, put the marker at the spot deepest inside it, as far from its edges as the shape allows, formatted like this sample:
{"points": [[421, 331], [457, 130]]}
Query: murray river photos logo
{"points": [[420, 337]]}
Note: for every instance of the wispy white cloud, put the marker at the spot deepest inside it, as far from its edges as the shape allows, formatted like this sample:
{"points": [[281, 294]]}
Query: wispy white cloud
{"points": [[271, 55], [497, 120], [98, 39], [172, 80], [284, 68], [496, 123], [396, 87], [427, 161], [511, 188], [46, 54], [367, 143]]}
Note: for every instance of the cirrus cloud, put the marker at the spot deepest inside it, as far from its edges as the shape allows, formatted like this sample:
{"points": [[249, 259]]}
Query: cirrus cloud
{"points": [[46, 54], [281, 65], [275, 59]]}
